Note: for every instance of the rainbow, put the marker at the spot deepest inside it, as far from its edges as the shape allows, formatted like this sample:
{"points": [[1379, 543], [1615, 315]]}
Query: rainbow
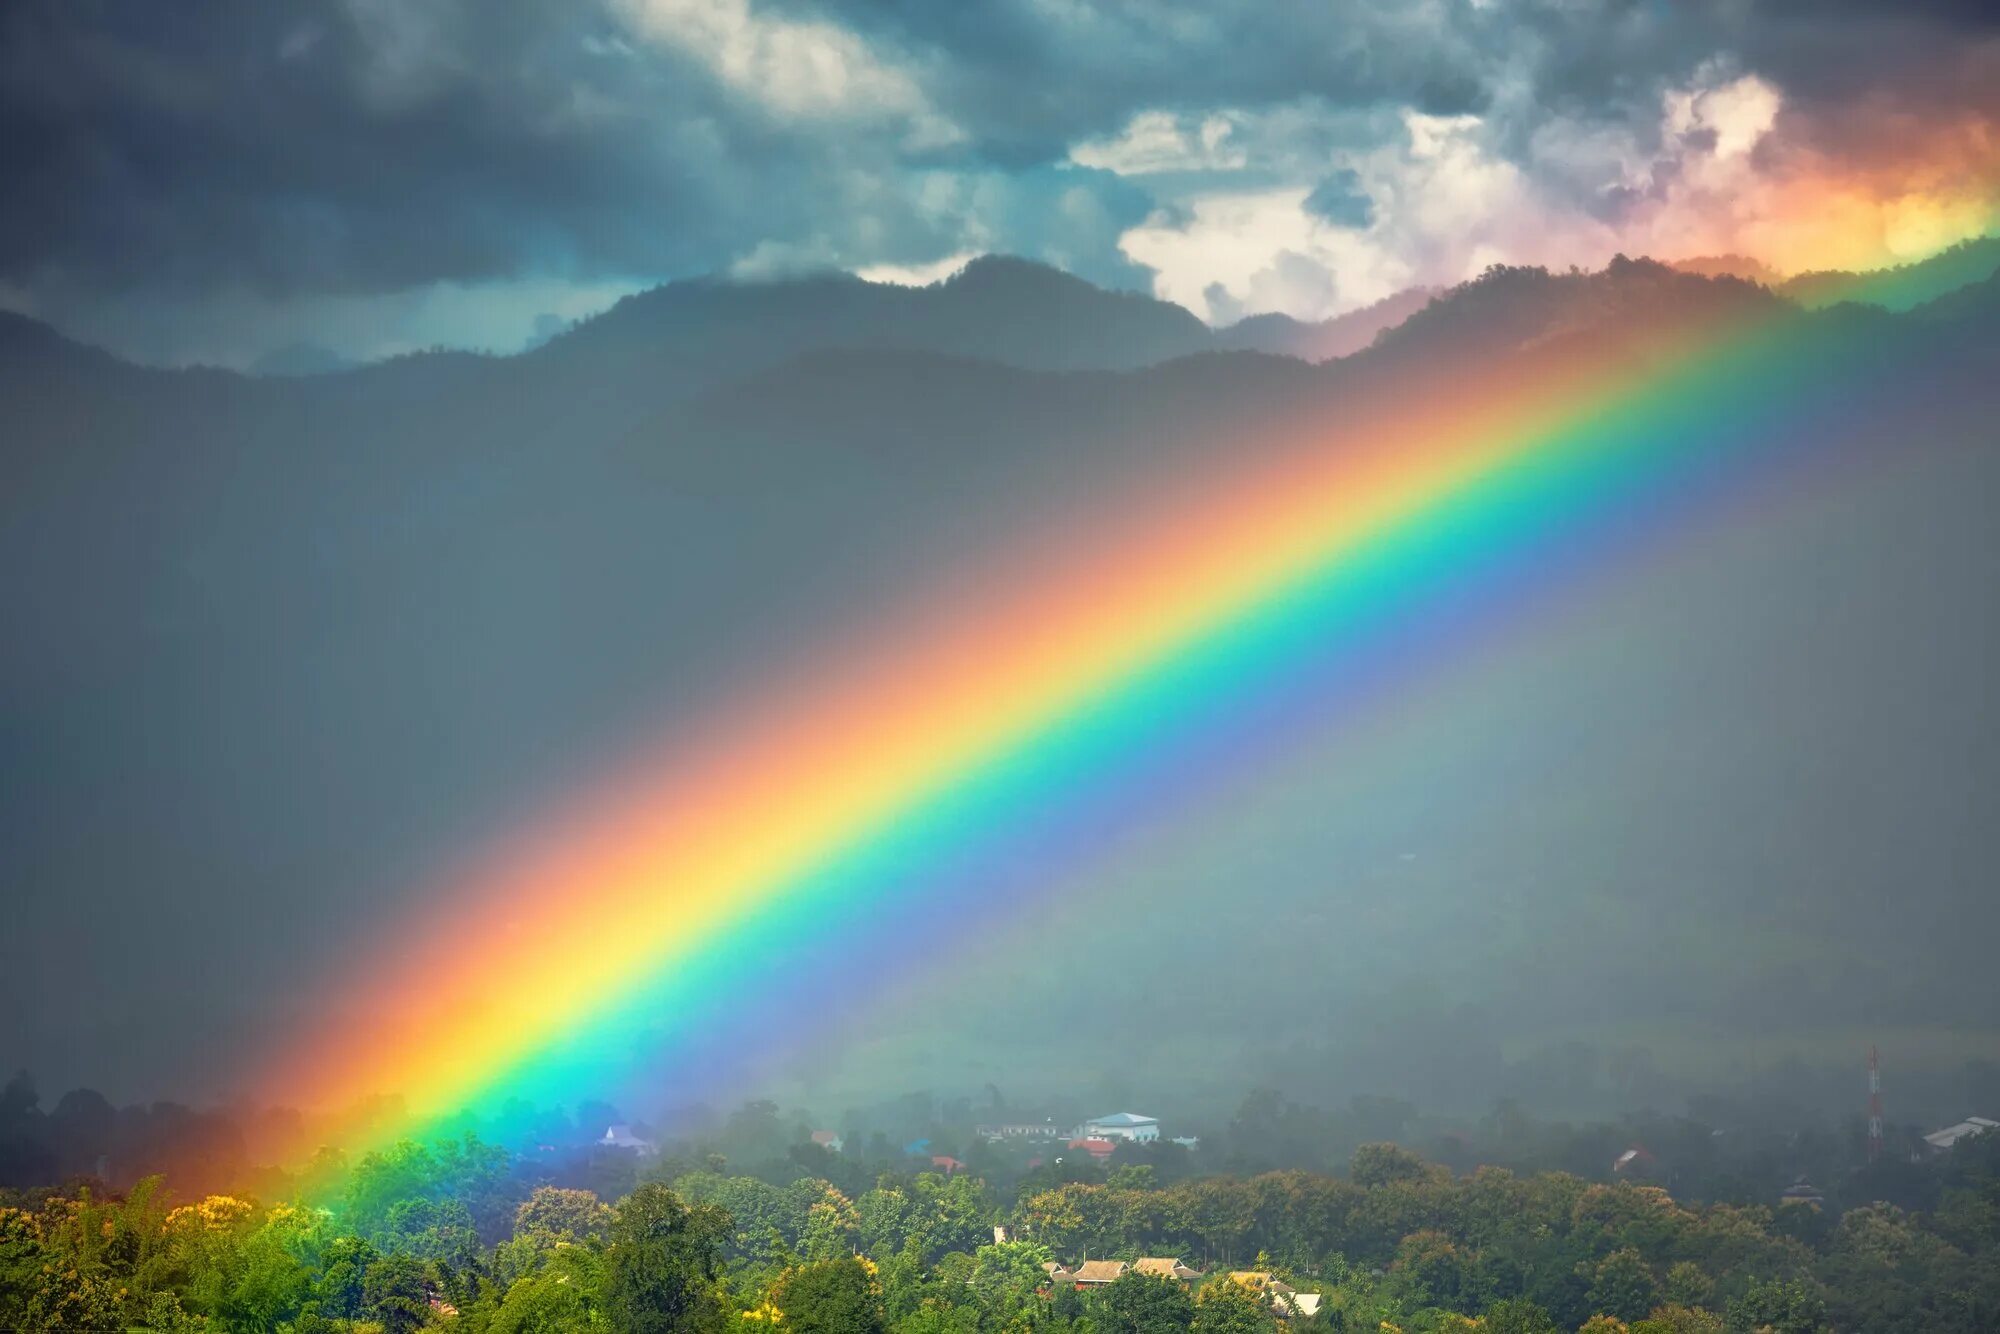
{"points": [[940, 769]]}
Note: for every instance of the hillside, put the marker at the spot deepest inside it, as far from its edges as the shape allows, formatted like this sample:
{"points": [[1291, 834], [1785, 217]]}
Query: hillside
{"points": [[330, 631], [1903, 287], [1324, 340]]}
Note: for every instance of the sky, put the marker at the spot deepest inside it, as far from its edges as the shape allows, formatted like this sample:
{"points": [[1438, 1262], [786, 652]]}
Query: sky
{"points": [[215, 182]]}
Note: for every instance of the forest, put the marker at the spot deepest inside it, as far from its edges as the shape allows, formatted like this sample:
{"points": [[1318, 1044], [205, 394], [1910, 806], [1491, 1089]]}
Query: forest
{"points": [[465, 1234]]}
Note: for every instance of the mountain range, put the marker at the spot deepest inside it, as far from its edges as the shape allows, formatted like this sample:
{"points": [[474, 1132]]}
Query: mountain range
{"points": [[284, 646]]}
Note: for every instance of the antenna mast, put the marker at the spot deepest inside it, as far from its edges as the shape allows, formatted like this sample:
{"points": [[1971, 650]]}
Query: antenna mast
{"points": [[1874, 1108]]}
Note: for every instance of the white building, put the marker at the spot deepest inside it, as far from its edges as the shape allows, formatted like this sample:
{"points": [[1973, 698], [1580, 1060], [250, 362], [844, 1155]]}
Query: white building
{"points": [[621, 1137], [1033, 1132], [1129, 1126], [1966, 1129]]}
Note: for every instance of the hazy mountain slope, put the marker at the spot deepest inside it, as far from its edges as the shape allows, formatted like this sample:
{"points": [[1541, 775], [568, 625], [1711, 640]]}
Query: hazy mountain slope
{"points": [[1903, 287], [300, 359], [1323, 340], [281, 649], [1729, 808], [1729, 266], [1513, 308], [996, 309]]}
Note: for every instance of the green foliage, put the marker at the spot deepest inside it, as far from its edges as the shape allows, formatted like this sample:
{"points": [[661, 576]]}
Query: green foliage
{"points": [[577, 1215], [1673, 1318], [1778, 1307], [1622, 1285], [394, 1293], [1138, 1303], [561, 1297], [831, 1297], [1229, 1307], [1518, 1315], [832, 1228], [1405, 1245], [1006, 1282], [664, 1258], [1379, 1164], [463, 1171], [339, 1290]]}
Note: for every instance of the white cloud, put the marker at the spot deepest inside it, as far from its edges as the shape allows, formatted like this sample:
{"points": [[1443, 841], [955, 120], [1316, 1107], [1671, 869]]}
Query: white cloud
{"points": [[796, 69], [1737, 114], [1714, 174], [916, 275], [1445, 206], [1163, 141]]}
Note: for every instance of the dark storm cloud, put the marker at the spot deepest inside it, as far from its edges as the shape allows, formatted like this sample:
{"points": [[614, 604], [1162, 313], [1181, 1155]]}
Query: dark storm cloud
{"points": [[304, 147], [364, 146], [1032, 81], [1339, 199], [349, 147]]}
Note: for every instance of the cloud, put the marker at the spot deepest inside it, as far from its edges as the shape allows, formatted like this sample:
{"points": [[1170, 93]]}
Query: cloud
{"points": [[1160, 141], [1340, 200], [1724, 162], [264, 160], [793, 68], [916, 275]]}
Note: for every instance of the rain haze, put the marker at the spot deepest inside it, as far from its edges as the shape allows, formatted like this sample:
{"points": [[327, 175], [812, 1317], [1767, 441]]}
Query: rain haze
{"points": [[719, 610]]}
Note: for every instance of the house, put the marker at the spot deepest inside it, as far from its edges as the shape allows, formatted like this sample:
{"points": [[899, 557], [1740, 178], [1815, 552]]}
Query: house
{"points": [[1098, 1148], [1304, 1305], [621, 1137], [1801, 1191], [1027, 1132], [1942, 1141], [946, 1164], [1286, 1301], [1097, 1273], [1129, 1126], [1165, 1267], [828, 1139], [1636, 1161]]}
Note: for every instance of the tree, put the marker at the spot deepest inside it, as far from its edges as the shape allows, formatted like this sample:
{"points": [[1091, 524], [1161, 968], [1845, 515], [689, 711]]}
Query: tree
{"points": [[1674, 1318], [1518, 1315], [1686, 1285], [559, 1299], [1229, 1307], [1434, 1271], [1779, 1307], [576, 1214], [1379, 1164], [1006, 1280], [339, 1291], [1623, 1285], [660, 1275], [831, 1297], [394, 1292], [1136, 1303], [832, 1227]]}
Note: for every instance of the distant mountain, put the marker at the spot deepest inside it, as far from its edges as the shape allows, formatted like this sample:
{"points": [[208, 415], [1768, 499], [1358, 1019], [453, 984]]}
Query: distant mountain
{"points": [[997, 308], [291, 644], [1508, 309], [1901, 288], [1323, 340], [300, 359], [1729, 266]]}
